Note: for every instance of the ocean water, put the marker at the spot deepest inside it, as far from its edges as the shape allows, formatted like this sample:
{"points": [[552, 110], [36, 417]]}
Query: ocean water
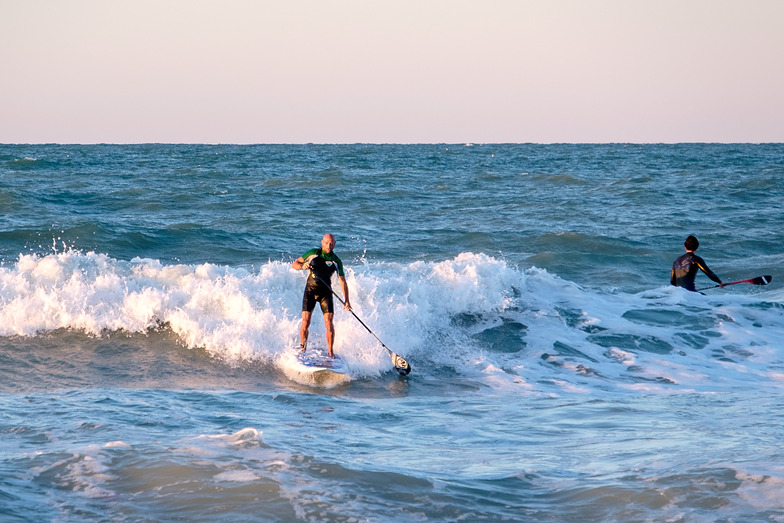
{"points": [[148, 314]]}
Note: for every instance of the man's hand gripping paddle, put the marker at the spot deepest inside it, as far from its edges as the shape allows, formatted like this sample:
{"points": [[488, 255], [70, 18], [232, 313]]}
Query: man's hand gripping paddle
{"points": [[401, 365], [759, 280]]}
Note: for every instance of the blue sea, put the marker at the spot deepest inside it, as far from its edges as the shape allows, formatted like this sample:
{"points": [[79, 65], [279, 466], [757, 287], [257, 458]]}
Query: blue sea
{"points": [[149, 313]]}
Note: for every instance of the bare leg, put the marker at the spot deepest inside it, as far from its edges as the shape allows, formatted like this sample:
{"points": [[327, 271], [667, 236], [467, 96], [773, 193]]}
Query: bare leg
{"points": [[304, 329], [330, 332]]}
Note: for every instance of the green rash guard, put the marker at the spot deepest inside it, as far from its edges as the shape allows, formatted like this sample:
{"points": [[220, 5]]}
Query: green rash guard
{"points": [[323, 266]]}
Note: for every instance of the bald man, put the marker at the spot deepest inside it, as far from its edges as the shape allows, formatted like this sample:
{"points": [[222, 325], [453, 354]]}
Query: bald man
{"points": [[322, 264]]}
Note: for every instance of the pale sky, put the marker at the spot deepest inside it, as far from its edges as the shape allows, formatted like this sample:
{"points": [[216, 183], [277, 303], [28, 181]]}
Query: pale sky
{"points": [[399, 71]]}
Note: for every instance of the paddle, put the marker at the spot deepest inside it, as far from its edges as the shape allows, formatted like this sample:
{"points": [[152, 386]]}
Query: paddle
{"points": [[759, 280], [401, 365]]}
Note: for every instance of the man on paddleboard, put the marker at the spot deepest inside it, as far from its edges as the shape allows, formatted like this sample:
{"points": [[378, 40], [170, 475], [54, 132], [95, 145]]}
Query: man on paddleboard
{"points": [[684, 269], [322, 264]]}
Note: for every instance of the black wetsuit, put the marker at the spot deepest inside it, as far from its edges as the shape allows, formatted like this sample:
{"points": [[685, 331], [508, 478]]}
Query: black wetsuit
{"points": [[324, 266], [684, 269]]}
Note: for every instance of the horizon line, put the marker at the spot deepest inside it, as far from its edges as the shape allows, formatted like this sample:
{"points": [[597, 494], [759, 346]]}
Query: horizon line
{"points": [[464, 144]]}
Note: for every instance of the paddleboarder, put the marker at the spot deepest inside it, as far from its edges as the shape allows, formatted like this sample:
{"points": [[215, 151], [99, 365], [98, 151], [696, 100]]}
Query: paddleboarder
{"points": [[322, 264], [684, 269]]}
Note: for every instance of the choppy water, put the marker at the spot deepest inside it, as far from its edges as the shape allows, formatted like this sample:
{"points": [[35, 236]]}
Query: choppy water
{"points": [[147, 313]]}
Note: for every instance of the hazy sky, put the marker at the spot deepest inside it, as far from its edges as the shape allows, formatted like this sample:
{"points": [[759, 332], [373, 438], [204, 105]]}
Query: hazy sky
{"points": [[289, 71]]}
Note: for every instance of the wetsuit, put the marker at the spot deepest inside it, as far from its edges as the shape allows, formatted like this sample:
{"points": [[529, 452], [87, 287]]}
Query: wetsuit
{"points": [[324, 266], [684, 269]]}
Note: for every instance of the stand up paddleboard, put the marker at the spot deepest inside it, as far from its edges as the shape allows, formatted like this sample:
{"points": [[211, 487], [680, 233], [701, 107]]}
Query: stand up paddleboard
{"points": [[316, 361]]}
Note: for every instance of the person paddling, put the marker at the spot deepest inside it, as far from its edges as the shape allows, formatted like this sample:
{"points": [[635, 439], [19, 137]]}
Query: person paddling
{"points": [[684, 269], [322, 264]]}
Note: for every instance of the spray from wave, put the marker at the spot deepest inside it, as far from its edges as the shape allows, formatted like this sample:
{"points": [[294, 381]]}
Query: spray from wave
{"points": [[475, 315], [236, 313]]}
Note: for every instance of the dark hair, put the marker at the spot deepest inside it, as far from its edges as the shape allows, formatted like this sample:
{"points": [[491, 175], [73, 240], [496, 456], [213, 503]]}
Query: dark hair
{"points": [[691, 243]]}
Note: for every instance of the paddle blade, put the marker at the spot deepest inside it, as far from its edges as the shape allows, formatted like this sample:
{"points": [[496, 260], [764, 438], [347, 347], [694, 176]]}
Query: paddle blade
{"points": [[401, 365], [761, 280]]}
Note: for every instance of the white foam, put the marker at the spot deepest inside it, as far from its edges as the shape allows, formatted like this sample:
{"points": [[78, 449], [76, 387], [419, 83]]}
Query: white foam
{"points": [[241, 437], [762, 491], [428, 312], [624, 357], [117, 444], [84, 472], [237, 475]]}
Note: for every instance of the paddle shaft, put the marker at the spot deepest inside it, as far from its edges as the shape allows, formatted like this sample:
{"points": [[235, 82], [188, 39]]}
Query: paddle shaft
{"points": [[759, 280], [354, 314], [400, 364]]}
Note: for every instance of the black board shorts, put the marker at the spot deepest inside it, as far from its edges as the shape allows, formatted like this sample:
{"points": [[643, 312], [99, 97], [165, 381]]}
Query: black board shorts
{"points": [[320, 295]]}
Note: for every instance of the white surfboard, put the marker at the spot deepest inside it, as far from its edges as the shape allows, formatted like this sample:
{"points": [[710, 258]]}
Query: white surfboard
{"points": [[316, 360]]}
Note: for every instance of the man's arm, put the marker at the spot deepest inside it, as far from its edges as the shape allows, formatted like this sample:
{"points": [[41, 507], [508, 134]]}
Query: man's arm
{"points": [[303, 262], [299, 264], [704, 268], [344, 288]]}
